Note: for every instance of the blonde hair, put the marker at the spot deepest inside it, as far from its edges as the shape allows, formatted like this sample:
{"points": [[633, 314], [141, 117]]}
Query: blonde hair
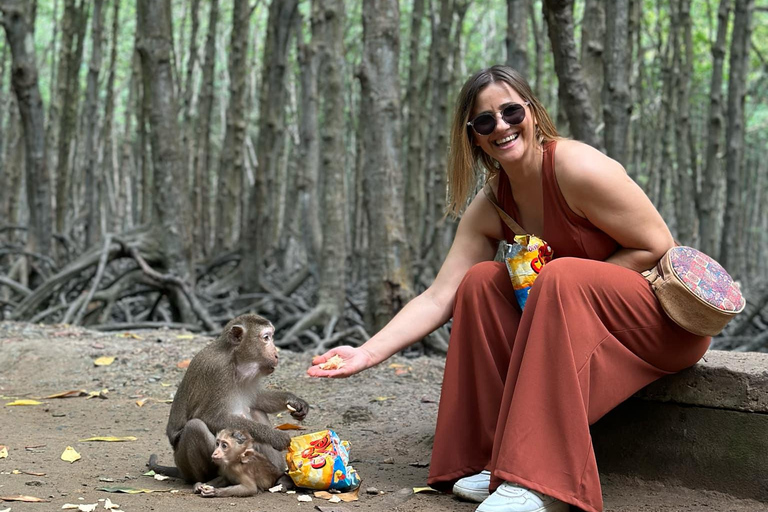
{"points": [[466, 159]]}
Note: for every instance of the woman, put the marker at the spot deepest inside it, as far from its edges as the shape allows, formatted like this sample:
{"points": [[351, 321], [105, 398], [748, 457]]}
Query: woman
{"points": [[521, 389]]}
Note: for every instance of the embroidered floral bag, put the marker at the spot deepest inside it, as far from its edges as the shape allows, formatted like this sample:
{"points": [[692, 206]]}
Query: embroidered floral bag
{"points": [[695, 291]]}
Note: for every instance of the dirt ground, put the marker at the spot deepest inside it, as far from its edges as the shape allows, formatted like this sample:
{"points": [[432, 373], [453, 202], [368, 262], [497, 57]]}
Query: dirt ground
{"points": [[387, 414]]}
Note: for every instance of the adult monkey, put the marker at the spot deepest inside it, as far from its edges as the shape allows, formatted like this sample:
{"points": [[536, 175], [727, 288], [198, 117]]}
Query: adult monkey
{"points": [[221, 391]]}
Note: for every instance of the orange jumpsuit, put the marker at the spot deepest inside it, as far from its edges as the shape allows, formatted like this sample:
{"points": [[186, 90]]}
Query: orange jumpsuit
{"points": [[521, 389]]}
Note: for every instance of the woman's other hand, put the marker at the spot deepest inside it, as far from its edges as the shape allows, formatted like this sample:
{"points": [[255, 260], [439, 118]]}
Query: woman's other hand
{"points": [[355, 361]]}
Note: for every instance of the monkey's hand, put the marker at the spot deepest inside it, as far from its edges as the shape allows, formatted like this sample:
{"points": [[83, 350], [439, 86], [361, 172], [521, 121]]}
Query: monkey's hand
{"points": [[198, 487], [208, 491], [298, 407], [280, 440]]}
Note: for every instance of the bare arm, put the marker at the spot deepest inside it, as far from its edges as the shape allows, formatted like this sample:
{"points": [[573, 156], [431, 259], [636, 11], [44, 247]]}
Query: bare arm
{"points": [[475, 241], [598, 188]]}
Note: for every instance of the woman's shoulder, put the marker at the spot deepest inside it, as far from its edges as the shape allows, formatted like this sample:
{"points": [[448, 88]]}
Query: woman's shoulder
{"points": [[576, 161]]}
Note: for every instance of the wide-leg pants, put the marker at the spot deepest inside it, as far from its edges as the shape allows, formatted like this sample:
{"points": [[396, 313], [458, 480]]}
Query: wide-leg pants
{"points": [[520, 390]]}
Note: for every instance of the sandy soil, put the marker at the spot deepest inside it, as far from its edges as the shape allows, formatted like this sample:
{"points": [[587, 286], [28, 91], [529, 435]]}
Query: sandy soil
{"points": [[387, 414]]}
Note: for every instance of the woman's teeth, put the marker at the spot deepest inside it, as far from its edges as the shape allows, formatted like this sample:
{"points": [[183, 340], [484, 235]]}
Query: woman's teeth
{"points": [[507, 139]]}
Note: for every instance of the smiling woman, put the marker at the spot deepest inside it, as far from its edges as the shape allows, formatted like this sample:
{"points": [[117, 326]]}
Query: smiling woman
{"points": [[522, 387]]}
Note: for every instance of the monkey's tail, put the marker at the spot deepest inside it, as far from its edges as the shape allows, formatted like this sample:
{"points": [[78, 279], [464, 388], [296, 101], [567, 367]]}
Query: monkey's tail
{"points": [[172, 471]]}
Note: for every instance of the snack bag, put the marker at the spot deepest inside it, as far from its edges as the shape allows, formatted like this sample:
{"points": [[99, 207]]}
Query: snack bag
{"points": [[320, 461], [525, 259]]}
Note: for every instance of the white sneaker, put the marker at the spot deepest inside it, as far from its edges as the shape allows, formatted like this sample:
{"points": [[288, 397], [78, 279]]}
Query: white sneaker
{"points": [[510, 497], [473, 488]]}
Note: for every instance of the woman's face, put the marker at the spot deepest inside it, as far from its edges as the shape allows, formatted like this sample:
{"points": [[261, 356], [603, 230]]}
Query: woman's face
{"points": [[506, 143]]}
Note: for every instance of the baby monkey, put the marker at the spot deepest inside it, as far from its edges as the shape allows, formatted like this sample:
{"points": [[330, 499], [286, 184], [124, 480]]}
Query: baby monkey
{"points": [[243, 471]]}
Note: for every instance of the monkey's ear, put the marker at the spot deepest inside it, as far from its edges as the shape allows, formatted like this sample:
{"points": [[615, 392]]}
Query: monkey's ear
{"points": [[236, 333], [247, 456]]}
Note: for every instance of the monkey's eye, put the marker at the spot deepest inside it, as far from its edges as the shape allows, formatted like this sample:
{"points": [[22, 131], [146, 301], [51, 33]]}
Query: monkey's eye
{"points": [[224, 446], [266, 336]]}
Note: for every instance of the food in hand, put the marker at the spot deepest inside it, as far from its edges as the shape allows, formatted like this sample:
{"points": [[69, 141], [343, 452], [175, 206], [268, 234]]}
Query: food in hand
{"points": [[333, 363]]}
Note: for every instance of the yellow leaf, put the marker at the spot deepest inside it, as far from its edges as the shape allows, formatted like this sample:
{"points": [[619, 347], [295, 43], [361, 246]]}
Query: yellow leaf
{"points": [[19, 497], [396, 365], [68, 394], [185, 337], [130, 335], [383, 398], [15, 472], [3, 451], [104, 361], [166, 384], [141, 402], [290, 426], [417, 490], [70, 455], [109, 439], [98, 394], [183, 364], [24, 402]]}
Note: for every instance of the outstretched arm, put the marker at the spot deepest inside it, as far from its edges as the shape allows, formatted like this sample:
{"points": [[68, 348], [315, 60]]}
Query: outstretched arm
{"points": [[475, 241]]}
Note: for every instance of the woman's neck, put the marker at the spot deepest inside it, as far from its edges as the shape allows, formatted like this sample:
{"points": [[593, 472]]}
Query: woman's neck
{"points": [[527, 170]]}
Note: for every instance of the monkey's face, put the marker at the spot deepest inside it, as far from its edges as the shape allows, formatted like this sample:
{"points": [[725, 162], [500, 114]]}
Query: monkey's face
{"points": [[230, 445], [253, 344]]}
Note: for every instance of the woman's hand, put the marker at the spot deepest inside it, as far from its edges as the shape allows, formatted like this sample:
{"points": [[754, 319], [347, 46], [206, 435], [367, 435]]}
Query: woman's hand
{"points": [[355, 361]]}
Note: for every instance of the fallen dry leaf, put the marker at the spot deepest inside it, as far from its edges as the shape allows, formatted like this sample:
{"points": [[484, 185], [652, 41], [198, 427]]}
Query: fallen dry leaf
{"points": [[98, 394], [24, 402], [185, 337], [3, 451], [109, 505], [70, 455], [183, 364], [131, 490], [32, 473], [290, 426], [130, 335], [82, 507], [27, 499], [417, 490], [337, 497], [383, 398], [141, 402], [104, 361], [68, 394], [109, 439]]}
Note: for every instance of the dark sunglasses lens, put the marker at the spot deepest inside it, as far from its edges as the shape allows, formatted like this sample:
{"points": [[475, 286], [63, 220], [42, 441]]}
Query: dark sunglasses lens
{"points": [[513, 114], [484, 124]]}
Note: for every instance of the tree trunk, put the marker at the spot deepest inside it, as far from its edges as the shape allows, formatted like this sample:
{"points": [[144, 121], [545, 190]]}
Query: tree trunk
{"points": [[593, 43], [256, 241], [685, 178], [115, 206], [437, 230], [24, 79], [203, 161], [309, 147], [581, 117], [73, 33], [538, 44], [414, 123], [170, 209], [187, 129], [710, 209], [388, 258], [93, 177], [333, 257], [731, 247], [517, 35], [616, 111], [232, 151], [4, 104]]}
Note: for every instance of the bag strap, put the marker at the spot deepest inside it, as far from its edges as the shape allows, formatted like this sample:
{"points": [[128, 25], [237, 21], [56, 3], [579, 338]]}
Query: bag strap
{"points": [[509, 221]]}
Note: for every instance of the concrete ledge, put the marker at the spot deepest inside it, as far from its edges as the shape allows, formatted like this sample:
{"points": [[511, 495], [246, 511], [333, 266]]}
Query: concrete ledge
{"points": [[706, 427]]}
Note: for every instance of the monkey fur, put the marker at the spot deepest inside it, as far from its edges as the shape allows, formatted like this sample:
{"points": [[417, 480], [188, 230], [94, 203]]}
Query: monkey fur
{"points": [[221, 390]]}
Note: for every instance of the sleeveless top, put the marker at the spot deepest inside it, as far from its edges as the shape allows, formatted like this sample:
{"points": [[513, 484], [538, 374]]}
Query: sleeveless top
{"points": [[567, 233]]}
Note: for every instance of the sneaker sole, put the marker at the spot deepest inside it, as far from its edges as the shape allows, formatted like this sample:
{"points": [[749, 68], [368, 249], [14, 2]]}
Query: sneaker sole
{"points": [[473, 495]]}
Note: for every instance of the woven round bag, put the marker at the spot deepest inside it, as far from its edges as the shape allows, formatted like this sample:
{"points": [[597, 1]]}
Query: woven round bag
{"points": [[696, 292]]}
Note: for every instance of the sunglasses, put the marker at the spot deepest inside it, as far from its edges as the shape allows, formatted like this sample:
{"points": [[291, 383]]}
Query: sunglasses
{"points": [[512, 114]]}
